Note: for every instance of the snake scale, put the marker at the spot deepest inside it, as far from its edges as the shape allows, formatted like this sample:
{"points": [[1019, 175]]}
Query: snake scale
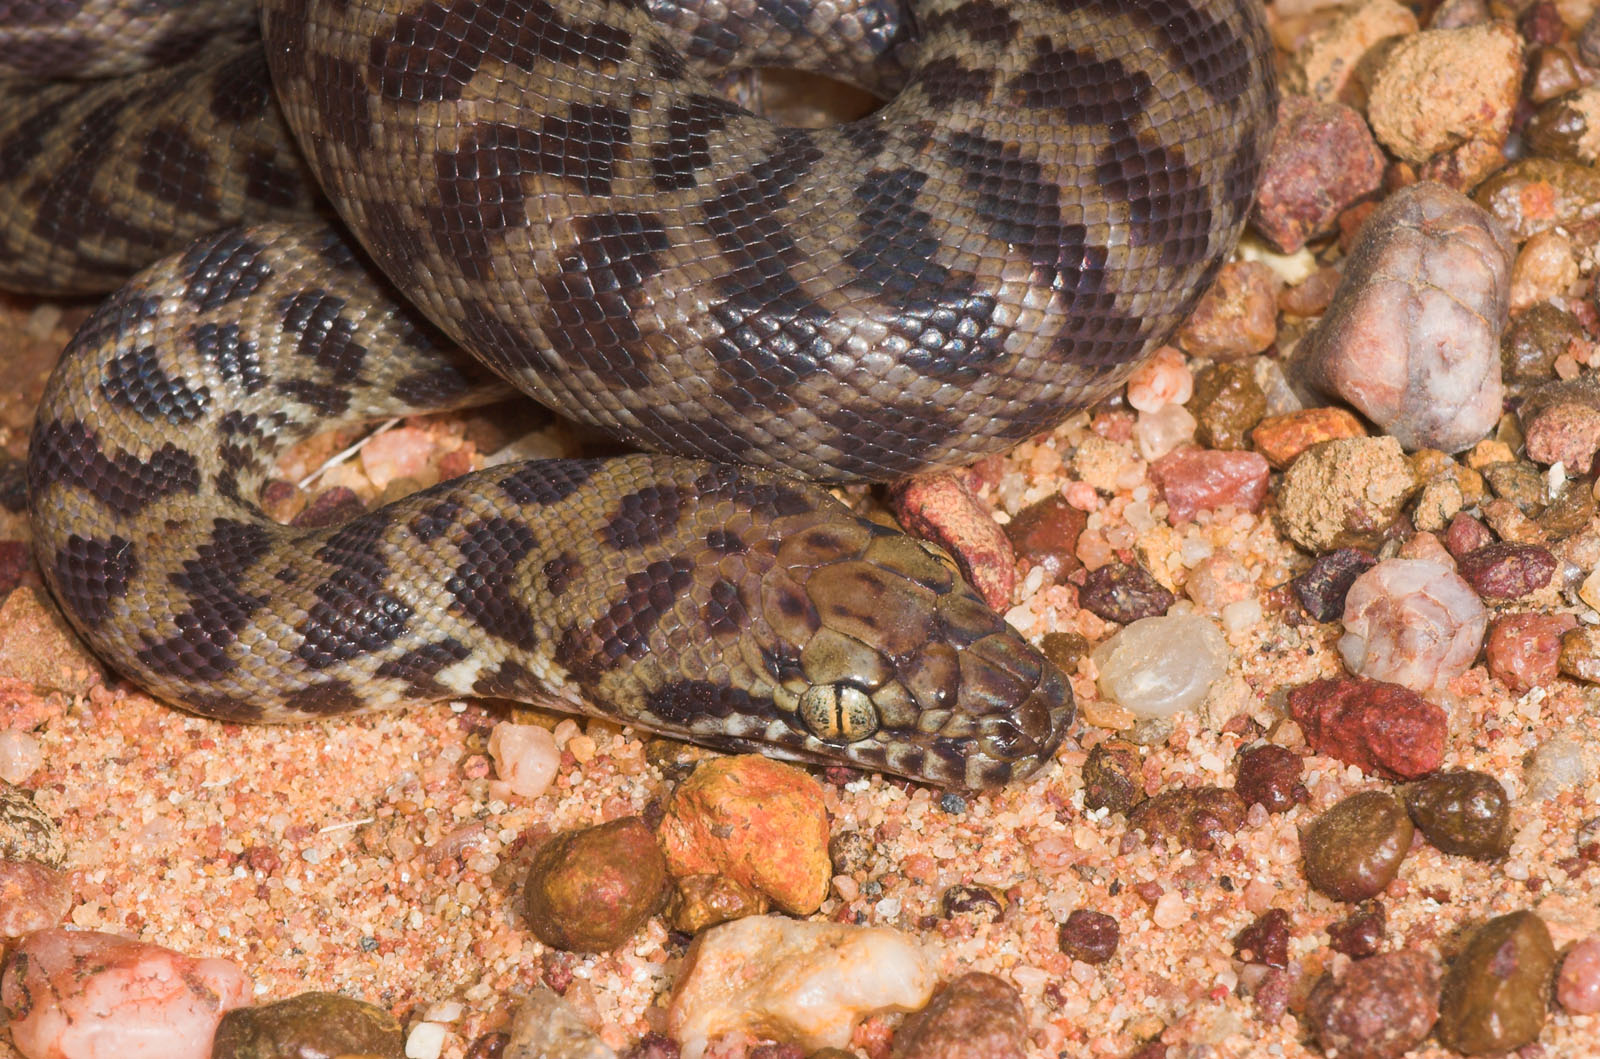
{"points": [[557, 187]]}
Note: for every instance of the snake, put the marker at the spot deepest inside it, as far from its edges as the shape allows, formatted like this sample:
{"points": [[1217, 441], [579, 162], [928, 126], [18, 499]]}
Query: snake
{"points": [[318, 222]]}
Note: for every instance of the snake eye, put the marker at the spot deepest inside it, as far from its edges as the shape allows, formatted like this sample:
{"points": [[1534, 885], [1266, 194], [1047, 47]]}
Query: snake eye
{"points": [[838, 713]]}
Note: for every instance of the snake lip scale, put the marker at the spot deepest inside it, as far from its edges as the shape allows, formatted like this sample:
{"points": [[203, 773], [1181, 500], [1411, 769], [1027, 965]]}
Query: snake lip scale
{"points": [[555, 187]]}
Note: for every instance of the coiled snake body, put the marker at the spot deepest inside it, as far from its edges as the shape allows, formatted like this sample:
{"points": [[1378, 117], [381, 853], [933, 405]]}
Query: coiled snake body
{"points": [[557, 187]]}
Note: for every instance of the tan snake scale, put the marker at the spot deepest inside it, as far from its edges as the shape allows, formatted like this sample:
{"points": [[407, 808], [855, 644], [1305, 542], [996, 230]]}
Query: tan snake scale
{"points": [[558, 189]]}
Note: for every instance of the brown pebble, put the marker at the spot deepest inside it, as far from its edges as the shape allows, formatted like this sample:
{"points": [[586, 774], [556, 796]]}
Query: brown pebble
{"points": [[1568, 513], [1462, 812], [1269, 776], [26, 831], [1113, 776], [1530, 346], [977, 1016], [1046, 534], [1088, 936], [1237, 316], [1579, 656], [488, 1045], [331, 507], [310, 1024], [1124, 593], [591, 890], [1519, 482], [1065, 650], [1361, 933], [1378, 1008], [1227, 404], [1495, 994], [1193, 817], [1322, 160], [851, 852], [701, 901], [1354, 850], [1266, 940]]}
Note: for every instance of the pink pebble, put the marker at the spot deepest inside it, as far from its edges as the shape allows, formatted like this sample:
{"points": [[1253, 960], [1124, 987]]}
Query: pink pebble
{"points": [[1578, 984], [1412, 622], [400, 453], [32, 897], [1194, 480], [1162, 380], [86, 995]]}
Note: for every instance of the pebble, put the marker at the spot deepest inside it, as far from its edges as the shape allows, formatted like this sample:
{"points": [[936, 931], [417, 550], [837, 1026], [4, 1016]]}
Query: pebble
{"points": [[940, 508], [1412, 339], [547, 1027], [1281, 438], [1561, 422], [1064, 649], [32, 897], [1545, 267], [1493, 998], [26, 831], [591, 890], [1113, 776], [1088, 936], [1269, 776], [1163, 379], [1046, 534], [1237, 316], [1158, 433], [1435, 89], [757, 821], [1378, 1008], [1578, 983], [803, 982], [1462, 812], [1158, 667], [1354, 850], [307, 1025], [1321, 590], [701, 901], [1265, 941], [1579, 654], [977, 902], [525, 757], [1343, 493], [1361, 933], [78, 994], [1519, 482], [1193, 480], [1227, 404], [1381, 728], [1192, 817], [1530, 346], [1532, 195], [977, 1016], [1412, 622], [1505, 570], [1123, 593], [851, 852], [1465, 535], [1567, 128], [1322, 160]]}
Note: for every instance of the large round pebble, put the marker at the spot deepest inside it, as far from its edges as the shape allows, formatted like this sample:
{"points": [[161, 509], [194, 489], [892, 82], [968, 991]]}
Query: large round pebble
{"points": [[1494, 993], [309, 1026], [1158, 667], [1378, 1008], [1354, 850], [1462, 812], [86, 995], [1412, 622], [591, 890], [757, 821]]}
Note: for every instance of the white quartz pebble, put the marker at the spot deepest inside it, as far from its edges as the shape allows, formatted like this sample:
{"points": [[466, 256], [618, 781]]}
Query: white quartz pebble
{"points": [[1157, 667]]}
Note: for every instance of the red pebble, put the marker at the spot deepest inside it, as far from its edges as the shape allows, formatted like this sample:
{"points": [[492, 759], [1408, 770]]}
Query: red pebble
{"points": [[1194, 480], [937, 507], [1523, 648], [1380, 728]]}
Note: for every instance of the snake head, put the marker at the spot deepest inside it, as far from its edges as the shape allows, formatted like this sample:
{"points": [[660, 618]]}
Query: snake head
{"points": [[883, 656]]}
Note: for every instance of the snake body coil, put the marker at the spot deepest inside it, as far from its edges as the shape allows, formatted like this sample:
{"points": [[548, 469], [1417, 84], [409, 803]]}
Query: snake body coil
{"points": [[557, 186]]}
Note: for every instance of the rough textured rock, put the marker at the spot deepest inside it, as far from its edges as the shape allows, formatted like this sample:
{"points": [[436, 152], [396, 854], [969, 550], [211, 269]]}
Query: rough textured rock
{"points": [[1441, 88], [1412, 338], [977, 1016], [1322, 160], [591, 890], [1379, 1008], [308, 1025], [1344, 493], [1380, 728]]}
